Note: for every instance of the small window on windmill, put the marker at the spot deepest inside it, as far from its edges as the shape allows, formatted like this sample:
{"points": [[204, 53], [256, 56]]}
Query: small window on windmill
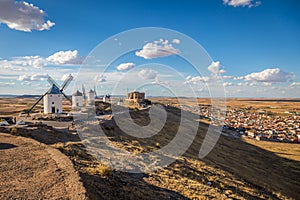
{"points": [[50, 95], [59, 95], [52, 102]]}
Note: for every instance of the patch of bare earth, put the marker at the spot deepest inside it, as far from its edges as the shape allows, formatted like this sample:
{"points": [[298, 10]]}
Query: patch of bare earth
{"points": [[32, 170]]}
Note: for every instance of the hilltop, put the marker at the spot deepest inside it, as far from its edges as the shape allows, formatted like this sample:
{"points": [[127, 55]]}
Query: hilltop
{"points": [[236, 168]]}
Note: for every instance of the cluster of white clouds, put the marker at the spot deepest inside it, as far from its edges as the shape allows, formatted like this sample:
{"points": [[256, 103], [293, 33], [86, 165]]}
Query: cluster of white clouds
{"points": [[259, 80], [156, 49], [125, 66], [214, 68], [6, 84], [100, 78], [270, 75], [147, 74], [266, 77], [33, 77], [22, 16], [295, 84], [243, 3], [196, 79], [65, 57], [59, 58]]}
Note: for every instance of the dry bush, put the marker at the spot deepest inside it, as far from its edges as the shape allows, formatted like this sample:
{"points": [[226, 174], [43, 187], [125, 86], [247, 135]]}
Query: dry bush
{"points": [[13, 131], [100, 169], [84, 129]]}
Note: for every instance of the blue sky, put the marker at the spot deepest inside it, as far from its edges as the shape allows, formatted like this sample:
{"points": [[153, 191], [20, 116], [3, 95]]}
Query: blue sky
{"points": [[257, 43]]}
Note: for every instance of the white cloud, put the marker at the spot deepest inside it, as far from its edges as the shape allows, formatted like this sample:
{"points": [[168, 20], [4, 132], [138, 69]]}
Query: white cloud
{"points": [[6, 84], [147, 74], [26, 83], [270, 75], [243, 84], [295, 84], [22, 16], [227, 84], [222, 71], [34, 77], [26, 62], [228, 77], [239, 78], [100, 78], [176, 41], [196, 79], [243, 3], [214, 68], [125, 66], [65, 57], [161, 48]]}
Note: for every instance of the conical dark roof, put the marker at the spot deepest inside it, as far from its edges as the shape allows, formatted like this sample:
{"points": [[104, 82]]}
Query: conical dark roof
{"points": [[77, 93], [54, 90]]}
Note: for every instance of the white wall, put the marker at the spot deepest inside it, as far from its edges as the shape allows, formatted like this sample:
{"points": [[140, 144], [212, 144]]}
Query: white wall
{"points": [[105, 99], [91, 96], [77, 101], [52, 100]]}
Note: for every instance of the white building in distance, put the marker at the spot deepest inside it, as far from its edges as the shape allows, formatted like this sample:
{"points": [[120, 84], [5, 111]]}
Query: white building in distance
{"points": [[91, 96], [106, 98], [77, 100], [53, 101]]}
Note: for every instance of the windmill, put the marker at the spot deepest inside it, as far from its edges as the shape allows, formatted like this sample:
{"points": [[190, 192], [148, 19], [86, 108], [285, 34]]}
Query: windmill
{"points": [[53, 102], [83, 91]]}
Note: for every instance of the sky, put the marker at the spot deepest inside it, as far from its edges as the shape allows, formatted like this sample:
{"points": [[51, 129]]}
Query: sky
{"points": [[246, 48]]}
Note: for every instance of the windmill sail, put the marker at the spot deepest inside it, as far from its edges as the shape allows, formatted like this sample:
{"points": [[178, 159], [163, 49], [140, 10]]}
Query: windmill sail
{"points": [[54, 86]]}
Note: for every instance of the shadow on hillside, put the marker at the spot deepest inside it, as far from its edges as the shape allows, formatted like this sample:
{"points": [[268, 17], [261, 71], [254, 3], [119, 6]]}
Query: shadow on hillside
{"points": [[116, 185], [43, 133], [263, 169], [260, 169], [113, 184], [120, 185]]}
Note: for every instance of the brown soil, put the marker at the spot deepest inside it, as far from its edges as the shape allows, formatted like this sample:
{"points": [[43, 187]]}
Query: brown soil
{"points": [[32, 170]]}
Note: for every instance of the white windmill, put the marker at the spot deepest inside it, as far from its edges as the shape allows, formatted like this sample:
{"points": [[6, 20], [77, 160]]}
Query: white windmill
{"points": [[53, 97]]}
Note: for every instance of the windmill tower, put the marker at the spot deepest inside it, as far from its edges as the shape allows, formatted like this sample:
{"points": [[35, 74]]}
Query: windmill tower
{"points": [[53, 97], [77, 100], [53, 100], [91, 96]]}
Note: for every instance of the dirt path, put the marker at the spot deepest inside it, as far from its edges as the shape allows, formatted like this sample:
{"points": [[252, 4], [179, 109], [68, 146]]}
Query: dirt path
{"points": [[31, 170]]}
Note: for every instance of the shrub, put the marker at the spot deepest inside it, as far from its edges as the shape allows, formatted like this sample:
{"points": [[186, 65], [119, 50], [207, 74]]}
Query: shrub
{"points": [[100, 169], [13, 131], [84, 129]]}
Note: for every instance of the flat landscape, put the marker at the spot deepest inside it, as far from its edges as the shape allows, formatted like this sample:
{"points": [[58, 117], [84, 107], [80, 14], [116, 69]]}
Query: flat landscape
{"points": [[237, 167]]}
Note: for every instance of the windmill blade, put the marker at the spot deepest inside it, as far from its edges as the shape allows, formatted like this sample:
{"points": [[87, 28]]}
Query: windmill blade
{"points": [[52, 82], [66, 82], [36, 103], [95, 92], [66, 97]]}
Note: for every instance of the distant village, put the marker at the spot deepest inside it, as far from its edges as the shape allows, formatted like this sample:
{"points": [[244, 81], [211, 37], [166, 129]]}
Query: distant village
{"points": [[255, 123]]}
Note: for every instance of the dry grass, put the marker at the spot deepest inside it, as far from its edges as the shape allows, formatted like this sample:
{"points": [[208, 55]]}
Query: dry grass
{"points": [[99, 169], [14, 106], [233, 170], [289, 151]]}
